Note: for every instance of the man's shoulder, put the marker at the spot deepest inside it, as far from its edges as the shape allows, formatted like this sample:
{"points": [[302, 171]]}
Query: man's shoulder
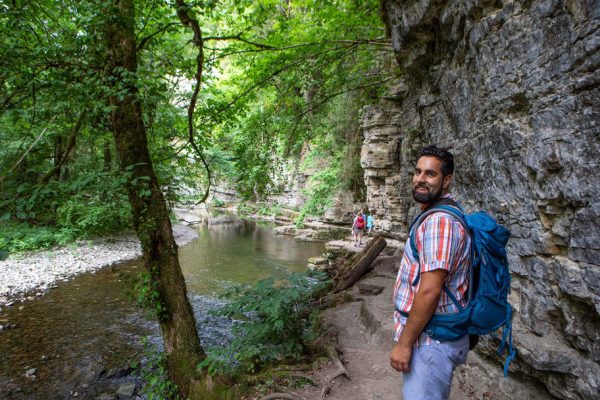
{"points": [[438, 217]]}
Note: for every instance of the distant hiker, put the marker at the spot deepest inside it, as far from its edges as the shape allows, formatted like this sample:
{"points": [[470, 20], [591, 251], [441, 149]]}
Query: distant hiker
{"points": [[370, 224], [424, 284], [358, 227]]}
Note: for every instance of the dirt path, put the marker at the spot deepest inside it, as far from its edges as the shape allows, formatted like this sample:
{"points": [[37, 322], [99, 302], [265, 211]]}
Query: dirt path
{"points": [[364, 337]]}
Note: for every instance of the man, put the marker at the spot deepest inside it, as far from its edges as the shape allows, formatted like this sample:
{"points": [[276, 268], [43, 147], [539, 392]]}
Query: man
{"points": [[444, 260]]}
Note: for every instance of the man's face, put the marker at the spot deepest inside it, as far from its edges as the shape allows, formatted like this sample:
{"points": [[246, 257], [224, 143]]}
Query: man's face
{"points": [[428, 182]]}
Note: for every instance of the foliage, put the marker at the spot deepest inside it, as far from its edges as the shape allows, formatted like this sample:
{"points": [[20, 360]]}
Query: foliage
{"points": [[157, 386], [319, 193], [143, 291], [333, 160], [244, 209], [277, 77], [274, 99], [3, 249], [218, 203], [267, 209], [17, 237], [87, 217], [275, 324], [43, 215]]}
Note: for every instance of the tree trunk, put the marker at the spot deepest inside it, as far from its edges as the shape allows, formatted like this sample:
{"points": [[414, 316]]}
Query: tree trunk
{"points": [[107, 156], [58, 150], [359, 265], [150, 214], [56, 170]]}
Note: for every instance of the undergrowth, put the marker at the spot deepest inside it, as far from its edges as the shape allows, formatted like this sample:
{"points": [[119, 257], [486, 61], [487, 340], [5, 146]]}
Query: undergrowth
{"points": [[276, 323]]}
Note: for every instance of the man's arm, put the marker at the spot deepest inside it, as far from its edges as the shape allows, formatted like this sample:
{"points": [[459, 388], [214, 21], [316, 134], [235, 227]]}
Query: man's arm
{"points": [[423, 307]]}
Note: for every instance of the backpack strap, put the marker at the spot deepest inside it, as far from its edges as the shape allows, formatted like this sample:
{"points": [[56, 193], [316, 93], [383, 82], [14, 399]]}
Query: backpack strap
{"points": [[436, 205], [507, 337], [447, 206]]}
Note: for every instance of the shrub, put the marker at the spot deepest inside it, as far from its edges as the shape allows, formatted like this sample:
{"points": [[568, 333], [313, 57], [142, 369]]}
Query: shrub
{"points": [[215, 202], [16, 236], [36, 216], [275, 323], [94, 217], [244, 209]]}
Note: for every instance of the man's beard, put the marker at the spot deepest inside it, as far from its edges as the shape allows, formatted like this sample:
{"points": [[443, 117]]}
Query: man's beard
{"points": [[426, 198]]}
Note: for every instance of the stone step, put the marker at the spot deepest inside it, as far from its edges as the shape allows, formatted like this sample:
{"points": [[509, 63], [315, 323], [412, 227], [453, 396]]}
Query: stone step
{"points": [[376, 311]]}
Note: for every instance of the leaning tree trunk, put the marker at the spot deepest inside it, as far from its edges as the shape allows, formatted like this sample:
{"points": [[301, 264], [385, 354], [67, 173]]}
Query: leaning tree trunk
{"points": [[355, 268], [150, 214]]}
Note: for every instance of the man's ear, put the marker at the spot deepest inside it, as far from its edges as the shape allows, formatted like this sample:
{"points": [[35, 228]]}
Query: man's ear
{"points": [[447, 181]]}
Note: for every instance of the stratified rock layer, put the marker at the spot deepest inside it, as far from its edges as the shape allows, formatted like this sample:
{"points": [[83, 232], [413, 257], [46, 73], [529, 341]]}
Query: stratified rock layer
{"points": [[512, 88]]}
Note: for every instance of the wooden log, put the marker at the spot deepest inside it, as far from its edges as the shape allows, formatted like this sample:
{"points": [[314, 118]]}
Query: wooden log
{"points": [[359, 265]]}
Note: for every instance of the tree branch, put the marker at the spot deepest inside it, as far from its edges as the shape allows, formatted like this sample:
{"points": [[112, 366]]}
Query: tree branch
{"points": [[145, 40], [29, 149], [239, 37], [70, 146], [279, 71], [187, 20], [322, 101], [370, 42]]}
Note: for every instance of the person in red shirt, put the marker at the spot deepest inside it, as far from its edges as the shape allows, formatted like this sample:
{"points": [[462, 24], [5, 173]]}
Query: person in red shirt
{"points": [[358, 227]]}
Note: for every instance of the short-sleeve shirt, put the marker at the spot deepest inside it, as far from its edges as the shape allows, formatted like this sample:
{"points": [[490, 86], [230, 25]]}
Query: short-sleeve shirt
{"points": [[354, 223], [442, 243], [369, 221]]}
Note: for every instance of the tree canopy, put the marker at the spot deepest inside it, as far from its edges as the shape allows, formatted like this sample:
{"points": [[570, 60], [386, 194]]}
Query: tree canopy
{"points": [[268, 79]]}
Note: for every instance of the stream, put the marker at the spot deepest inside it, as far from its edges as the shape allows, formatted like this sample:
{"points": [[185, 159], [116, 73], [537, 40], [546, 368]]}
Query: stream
{"points": [[78, 340]]}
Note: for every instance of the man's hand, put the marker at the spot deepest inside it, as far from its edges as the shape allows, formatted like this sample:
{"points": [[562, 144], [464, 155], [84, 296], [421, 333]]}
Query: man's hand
{"points": [[400, 358]]}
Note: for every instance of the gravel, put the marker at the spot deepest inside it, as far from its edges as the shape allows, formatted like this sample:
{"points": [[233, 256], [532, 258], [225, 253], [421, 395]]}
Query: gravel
{"points": [[35, 272]]}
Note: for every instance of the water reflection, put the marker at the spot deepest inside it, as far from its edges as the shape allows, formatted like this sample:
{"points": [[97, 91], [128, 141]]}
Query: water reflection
{"points": [[241, 252]]}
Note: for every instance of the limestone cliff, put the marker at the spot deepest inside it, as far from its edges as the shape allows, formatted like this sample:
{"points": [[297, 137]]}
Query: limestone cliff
{"points": [[512, 88]]}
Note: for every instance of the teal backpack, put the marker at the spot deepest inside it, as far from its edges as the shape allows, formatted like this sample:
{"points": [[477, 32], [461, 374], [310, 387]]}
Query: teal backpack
{"points": [[489, 281]]}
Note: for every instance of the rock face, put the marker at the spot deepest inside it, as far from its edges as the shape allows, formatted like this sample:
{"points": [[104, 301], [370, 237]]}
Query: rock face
{"points": [[297, 179], [513, 89]]}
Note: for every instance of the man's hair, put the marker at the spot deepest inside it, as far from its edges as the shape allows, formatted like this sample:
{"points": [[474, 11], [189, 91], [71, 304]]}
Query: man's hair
{"points": [[443, 155]]}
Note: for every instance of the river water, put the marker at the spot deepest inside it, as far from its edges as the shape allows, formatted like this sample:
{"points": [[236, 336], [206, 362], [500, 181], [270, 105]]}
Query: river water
{"points": [[80, 335]]}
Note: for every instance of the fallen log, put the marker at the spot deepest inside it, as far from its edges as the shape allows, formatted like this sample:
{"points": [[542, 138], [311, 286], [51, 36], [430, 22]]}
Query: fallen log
{"points": [[356, 267]]}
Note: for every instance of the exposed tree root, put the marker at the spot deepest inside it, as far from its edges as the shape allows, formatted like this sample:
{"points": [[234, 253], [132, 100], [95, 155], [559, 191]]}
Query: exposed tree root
{"points": [[283, 396], [341, 370]]}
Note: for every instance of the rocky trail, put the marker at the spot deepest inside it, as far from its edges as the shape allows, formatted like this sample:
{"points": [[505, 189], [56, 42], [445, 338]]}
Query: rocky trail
{"points": [[363, 333]]}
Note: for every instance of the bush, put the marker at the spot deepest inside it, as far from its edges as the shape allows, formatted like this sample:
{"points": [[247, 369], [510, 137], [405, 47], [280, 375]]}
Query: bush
{"points": [[36, 216], [319, 192], [16, 237], [269, 209], [94, 217], [275, 324], [215, 202], [244, 209]]}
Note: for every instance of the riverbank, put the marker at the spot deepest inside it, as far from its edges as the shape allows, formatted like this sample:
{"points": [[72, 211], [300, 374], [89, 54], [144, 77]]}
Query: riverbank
{"points": [[27, 275]]}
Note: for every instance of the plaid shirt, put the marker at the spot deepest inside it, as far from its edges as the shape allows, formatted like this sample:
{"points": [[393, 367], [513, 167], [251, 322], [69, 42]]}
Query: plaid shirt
{"points": [[442, 244]]}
